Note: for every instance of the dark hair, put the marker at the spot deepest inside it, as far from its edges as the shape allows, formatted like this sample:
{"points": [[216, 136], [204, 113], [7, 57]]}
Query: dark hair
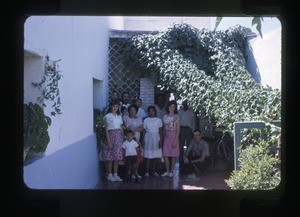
{"points": [[128, 132], [133, 106], [151, 107], [172, 102], [124, 92], [123, 108], [197, 130], [114, 102]]}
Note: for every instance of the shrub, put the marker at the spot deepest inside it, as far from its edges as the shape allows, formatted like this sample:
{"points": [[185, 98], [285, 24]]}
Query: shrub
{"points": [[36, 125], [258, 170]]}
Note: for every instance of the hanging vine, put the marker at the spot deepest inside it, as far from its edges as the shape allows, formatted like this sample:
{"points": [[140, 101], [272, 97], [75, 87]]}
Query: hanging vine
{"points": [[49, 85], [206, 67]]}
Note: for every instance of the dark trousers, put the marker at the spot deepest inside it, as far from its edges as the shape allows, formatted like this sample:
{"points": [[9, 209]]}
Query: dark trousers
{"points": [[195, 167], [185, 138]]}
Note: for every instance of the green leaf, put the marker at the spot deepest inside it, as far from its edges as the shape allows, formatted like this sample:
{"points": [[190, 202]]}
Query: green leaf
{"points": [[257, 21]]}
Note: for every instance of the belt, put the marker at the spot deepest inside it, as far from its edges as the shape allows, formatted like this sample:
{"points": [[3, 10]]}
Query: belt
{"points": [[184, 127]]}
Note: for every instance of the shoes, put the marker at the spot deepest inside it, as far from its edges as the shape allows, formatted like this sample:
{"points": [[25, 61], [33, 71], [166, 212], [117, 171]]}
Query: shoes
{"points": [[165, 174], [171, 175], [155, 174], [146, 175], [111, 178], [191, 176], [117, 178], [137, 180], [132, 176]]}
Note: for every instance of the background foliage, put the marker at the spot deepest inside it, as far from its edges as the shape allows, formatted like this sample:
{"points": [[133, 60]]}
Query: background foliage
{"points": [[206, 67]]}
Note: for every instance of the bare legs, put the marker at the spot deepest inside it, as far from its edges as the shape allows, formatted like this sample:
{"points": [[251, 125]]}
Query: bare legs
{"points": [[167, 162]]}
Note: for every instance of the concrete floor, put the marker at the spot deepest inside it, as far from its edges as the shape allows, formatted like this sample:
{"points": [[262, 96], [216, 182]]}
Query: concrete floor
{"points": [[212, 180]]}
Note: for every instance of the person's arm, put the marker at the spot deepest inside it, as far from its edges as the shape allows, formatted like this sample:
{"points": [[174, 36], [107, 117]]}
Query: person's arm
{"points": [[139, 128], [160, 142], [193, 121], [201, 159], [107, 134], [107, 138], [177, 132]]}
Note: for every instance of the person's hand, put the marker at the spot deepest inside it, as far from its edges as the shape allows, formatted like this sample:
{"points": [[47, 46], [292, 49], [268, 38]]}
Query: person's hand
{"points": [[185, 159], [174, 145]]}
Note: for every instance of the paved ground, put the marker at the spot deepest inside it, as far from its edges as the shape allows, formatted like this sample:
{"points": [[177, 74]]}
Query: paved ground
{"points": [[213, 180]]}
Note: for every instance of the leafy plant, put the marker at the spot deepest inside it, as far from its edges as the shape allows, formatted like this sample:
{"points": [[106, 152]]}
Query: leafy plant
{"points": [[258, 169], [49, 85], [99, 126], [36, 125], [206, 67]]}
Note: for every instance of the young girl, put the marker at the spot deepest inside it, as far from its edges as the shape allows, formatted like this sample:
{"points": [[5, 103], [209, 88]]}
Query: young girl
{"points": [[171, 138], [152, 140], [112, 150]]}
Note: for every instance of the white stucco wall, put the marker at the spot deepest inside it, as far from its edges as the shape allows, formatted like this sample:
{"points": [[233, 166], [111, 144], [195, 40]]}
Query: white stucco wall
{"points": [[82, 45], [265, 59]]}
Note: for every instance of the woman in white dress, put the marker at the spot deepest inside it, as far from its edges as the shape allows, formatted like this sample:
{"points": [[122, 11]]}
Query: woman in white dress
{"points": [[152, 140]]}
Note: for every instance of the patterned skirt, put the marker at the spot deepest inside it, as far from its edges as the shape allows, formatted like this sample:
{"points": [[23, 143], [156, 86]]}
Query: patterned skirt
{"points": [[115, 152]]}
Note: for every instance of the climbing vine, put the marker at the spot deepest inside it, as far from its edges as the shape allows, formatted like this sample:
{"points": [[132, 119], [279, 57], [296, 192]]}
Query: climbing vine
{"points": [[206, 67], [49, 85]]}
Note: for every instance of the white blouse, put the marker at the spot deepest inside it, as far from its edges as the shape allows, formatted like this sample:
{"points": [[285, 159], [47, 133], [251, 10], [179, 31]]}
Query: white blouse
{"points": [[152, 125], [113, 121]]}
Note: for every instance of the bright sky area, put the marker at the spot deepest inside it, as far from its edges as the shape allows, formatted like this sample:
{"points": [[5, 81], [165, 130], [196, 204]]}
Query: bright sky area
{"points": [[268, 24]]}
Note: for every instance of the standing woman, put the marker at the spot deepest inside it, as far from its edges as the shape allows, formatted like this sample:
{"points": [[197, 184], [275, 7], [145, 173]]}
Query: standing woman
{"points": [[152, 140], [134, 123], [112, 151], [171, 138]]}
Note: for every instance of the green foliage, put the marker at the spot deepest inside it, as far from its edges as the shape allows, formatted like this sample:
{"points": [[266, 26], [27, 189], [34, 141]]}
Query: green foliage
{"points": [[206, 67], [36, 125], [99, 126], [257, 171], [49, 85]]}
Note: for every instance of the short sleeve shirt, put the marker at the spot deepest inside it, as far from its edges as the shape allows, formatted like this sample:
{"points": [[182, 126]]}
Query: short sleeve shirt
{"points": [[113, 121], [130, 147], [152, 125], [201, 148]]}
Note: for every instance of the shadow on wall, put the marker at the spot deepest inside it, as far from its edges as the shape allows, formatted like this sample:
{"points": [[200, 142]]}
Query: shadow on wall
{"points": [[251, 65], [73, 167]]}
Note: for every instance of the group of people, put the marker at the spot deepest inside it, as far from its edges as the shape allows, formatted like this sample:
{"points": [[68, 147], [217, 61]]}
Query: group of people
{"points": [[163, 133]]}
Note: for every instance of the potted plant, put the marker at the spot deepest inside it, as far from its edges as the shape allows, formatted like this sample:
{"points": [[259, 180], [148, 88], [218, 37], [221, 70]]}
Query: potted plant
{"points": [[35, 132]]}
